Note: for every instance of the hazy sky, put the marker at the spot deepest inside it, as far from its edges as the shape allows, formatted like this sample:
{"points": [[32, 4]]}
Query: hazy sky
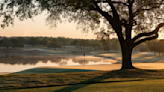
{"points": [[38, 27]]}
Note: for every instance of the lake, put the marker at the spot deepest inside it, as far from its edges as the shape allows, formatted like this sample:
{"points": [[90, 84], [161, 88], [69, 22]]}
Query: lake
{"points": [[19, 63]]}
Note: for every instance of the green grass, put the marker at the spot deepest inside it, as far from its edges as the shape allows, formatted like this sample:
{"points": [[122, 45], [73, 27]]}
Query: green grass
{"points": [[51, 70], [155, 85], [17, 81]]}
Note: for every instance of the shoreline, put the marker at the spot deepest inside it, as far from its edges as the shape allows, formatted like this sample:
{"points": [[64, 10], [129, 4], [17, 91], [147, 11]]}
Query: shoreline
{"points": [[105, 67], [6, 73], [141, 64]]}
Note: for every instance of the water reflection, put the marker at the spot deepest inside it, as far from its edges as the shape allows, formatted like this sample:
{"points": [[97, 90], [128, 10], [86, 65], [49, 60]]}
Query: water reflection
{"points": [[14, 64], [89, 59], [61, 60], [32, 60]]}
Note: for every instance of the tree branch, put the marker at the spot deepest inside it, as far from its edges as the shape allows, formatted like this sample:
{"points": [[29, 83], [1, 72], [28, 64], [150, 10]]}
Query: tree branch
{"points": [[114, 21], [114, 11], [119, 2], [116, 24], [129, 26], [156, 5], [154, 32], [145, 39], [140, 10], [124, 22], [114, 2], [105, 14], [148, 34]]}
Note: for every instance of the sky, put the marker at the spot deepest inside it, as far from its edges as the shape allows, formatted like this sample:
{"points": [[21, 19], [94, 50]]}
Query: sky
{"points": [[38, 27]]}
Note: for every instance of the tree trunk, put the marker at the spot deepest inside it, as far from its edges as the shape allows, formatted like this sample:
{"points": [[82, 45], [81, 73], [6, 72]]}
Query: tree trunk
{"points": [[126, 58]]}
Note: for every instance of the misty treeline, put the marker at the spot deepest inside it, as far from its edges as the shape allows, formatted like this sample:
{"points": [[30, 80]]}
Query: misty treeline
{"points": [[10, 42], [59, 42], [155, 46]]}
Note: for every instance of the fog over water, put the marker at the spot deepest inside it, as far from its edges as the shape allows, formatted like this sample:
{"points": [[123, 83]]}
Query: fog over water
{"points": [[14, 64]]}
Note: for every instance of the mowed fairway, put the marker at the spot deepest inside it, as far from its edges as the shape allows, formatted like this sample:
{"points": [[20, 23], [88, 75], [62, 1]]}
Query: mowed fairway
{"points": [[155, 85], [97, 81]]}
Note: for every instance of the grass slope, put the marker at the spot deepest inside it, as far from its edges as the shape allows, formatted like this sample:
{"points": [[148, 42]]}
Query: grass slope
{"points": [[51, 70], [155, 85], [17, 81]]}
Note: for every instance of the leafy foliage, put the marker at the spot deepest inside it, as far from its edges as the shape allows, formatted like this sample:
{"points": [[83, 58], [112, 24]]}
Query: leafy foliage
{"points": [[83, 43], [7, 43], [44, 41], [11, 42], [1, 41], [16, 43], [114, 44], [64, 41], [156, 46], [74, 42], [54, 44], [96, 45], [33, 41]]}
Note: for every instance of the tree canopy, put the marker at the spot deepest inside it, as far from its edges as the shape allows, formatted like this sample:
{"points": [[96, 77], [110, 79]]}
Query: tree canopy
{"points": [[7, 43], [144, 17], [33, 41], [54, 44], [156, 46]]}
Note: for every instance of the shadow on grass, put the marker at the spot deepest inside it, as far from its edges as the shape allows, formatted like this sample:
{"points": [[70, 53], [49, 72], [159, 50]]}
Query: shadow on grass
{"points": [[71, 88], [70, 80], [117, 75]]}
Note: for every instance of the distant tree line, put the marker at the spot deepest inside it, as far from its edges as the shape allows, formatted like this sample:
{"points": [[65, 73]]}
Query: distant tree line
{"points": [[113, 44], [59, 42], [10, 42], [156, 46]]}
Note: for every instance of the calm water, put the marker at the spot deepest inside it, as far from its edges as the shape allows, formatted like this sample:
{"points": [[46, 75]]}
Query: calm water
{"points": [[15, 64]]}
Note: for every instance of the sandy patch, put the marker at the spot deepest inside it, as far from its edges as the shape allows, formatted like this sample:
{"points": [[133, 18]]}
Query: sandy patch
{"points": [[111, 66], [5, 73], [160, 61]]}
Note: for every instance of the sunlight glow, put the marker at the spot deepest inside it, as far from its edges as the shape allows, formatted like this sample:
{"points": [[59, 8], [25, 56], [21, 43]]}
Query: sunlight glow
{"points": [[38, 27]]}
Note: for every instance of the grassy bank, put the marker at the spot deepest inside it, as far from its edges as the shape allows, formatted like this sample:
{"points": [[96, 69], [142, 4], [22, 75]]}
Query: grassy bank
{"points": [[51, 70], [16, 81], [155, 85]]}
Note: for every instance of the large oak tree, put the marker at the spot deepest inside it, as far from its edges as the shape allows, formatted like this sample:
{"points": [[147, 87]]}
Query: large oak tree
{"points": [[144, 17]]}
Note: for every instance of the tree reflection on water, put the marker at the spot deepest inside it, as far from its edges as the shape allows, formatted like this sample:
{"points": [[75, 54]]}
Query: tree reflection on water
{"points": [[60, 60]]}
